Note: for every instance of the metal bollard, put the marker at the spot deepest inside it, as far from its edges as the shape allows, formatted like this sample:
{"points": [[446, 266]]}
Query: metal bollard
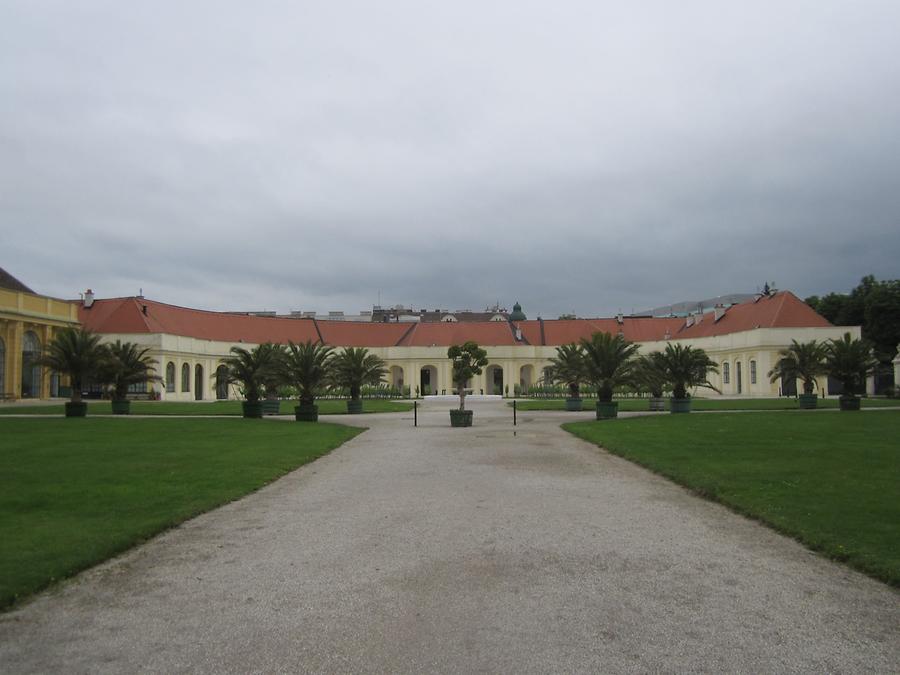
{"points": [[514, 412], [415, 413]]}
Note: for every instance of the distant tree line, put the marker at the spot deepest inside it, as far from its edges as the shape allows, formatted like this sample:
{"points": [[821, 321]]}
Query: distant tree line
{"points": [[874, 305]]}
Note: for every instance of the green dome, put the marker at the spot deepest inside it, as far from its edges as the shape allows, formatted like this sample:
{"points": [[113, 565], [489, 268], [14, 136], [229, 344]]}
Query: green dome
{"points": [[517, 313]]}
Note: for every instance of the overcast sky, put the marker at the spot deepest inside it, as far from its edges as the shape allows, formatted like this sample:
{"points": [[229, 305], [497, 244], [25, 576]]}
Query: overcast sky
{"points": [[575, 156]]}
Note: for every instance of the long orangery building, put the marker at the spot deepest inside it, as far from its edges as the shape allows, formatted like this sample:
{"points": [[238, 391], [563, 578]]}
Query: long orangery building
{"points": [[189, 345]]}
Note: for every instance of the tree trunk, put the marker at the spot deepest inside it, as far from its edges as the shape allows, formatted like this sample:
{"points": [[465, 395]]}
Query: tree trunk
{"points": [[462, 395]]}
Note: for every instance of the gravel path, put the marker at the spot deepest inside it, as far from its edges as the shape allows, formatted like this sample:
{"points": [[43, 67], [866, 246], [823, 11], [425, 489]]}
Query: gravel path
{"points": [[449, 550]]}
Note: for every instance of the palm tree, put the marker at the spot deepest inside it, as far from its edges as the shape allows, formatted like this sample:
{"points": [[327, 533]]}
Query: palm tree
{"points": [[686, 368], [75, 352], [568, 368], [468, 360], [609, 361], [307, 367], [271, 378], [650, 375], [804, 361], [123, 365], [355, 368], [250, 369], [850, 361]]}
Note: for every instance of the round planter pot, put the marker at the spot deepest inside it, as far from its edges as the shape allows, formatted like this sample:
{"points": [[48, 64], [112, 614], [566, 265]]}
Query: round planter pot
{"points": [[680, 405], [121, 407], [461, 418], [808, 401], [573, 404], [252, 409], [849, 402], [607, 410], [271, 407], [354, 407], [76, 409], [657, 404], [306, 412]]}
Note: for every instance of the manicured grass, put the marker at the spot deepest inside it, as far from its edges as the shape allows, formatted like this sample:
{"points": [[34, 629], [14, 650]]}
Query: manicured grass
{"points": [[75, 492], [329, 407], [831, 481], [699, 404]]}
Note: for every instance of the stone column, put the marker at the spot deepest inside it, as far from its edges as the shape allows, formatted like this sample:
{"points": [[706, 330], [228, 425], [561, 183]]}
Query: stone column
{"points": [[14, 347]]}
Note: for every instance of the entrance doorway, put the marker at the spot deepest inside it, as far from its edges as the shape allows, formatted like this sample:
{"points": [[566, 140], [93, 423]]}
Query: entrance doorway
{"points": [[428, 381], [494, 380], [221, 383]]}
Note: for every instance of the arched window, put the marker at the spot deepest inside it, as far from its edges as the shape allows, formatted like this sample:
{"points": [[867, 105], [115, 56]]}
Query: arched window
{"points": [[2, 366], [185, 377], [198, 382], [221, 382], [726, 373], [753, 372], [31, 372], [170, 377]]}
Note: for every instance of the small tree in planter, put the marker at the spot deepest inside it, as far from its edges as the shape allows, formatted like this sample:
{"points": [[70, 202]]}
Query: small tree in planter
{"points": [[249, 369], [123, 365], [75, 352], [850, 361], [608, 363], [804, 361], [468, 361], [568, 368], [686, 368], [307, 368], [270, 378], [355, 368], [650, 376]]}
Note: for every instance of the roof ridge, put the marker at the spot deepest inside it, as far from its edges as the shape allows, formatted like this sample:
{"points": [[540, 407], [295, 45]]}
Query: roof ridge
{"points": [[144, 317], [318, 332], [405, 334]]}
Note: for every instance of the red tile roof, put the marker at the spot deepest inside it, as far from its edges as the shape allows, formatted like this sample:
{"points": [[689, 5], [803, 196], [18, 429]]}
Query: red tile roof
{"points": [[128, 315], [485, 333]]}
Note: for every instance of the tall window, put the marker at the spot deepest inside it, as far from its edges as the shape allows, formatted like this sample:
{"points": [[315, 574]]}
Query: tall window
{"points": [[753, 372], [31, 372], [2, 366], [170, 377], [221, 382], [185, 377], [726, 373]]}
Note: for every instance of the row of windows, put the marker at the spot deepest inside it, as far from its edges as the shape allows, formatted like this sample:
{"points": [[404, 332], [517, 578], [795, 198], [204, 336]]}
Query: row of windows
{"points": [[221, 384], [726, 372]]}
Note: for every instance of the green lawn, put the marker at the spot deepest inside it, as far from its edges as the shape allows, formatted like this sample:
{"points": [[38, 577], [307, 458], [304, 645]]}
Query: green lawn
{"points": [[830, 481], [75, 492], [635, 405], [330, 407]]}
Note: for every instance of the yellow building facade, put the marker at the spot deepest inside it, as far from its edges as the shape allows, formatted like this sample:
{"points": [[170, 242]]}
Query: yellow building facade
{"points": [[27, 324]]}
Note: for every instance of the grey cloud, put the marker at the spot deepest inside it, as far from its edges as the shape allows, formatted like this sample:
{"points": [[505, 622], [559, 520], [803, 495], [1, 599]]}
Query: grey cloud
{"points": [[579, 156]]}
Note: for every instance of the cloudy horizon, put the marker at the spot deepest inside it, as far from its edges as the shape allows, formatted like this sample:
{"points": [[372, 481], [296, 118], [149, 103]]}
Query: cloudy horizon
{"points": [[577, 157]]}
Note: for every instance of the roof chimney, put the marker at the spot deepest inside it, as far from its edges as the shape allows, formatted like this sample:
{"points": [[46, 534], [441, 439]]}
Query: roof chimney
{"points": [[519, 334], [88, 298], [620, 319], [689, 321], [719, 312]]}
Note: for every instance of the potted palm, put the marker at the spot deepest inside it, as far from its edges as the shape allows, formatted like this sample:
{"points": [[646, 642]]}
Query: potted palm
{"points": [[307, 368], [804, 361], [686, 368], [568, 368], [850, 361], [468, 360], [249, 369], [125, 364], [271, 377], [650, 376], [75, 352], [608, 363], [355, 368]]}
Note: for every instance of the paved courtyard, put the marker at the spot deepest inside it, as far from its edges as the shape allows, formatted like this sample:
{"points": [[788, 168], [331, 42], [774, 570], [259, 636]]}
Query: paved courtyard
{"points": [[487, 549]]}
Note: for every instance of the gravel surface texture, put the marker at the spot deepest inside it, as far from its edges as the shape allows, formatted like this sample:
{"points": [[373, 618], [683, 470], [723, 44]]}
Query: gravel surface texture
{"points": [[489, 549]]}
